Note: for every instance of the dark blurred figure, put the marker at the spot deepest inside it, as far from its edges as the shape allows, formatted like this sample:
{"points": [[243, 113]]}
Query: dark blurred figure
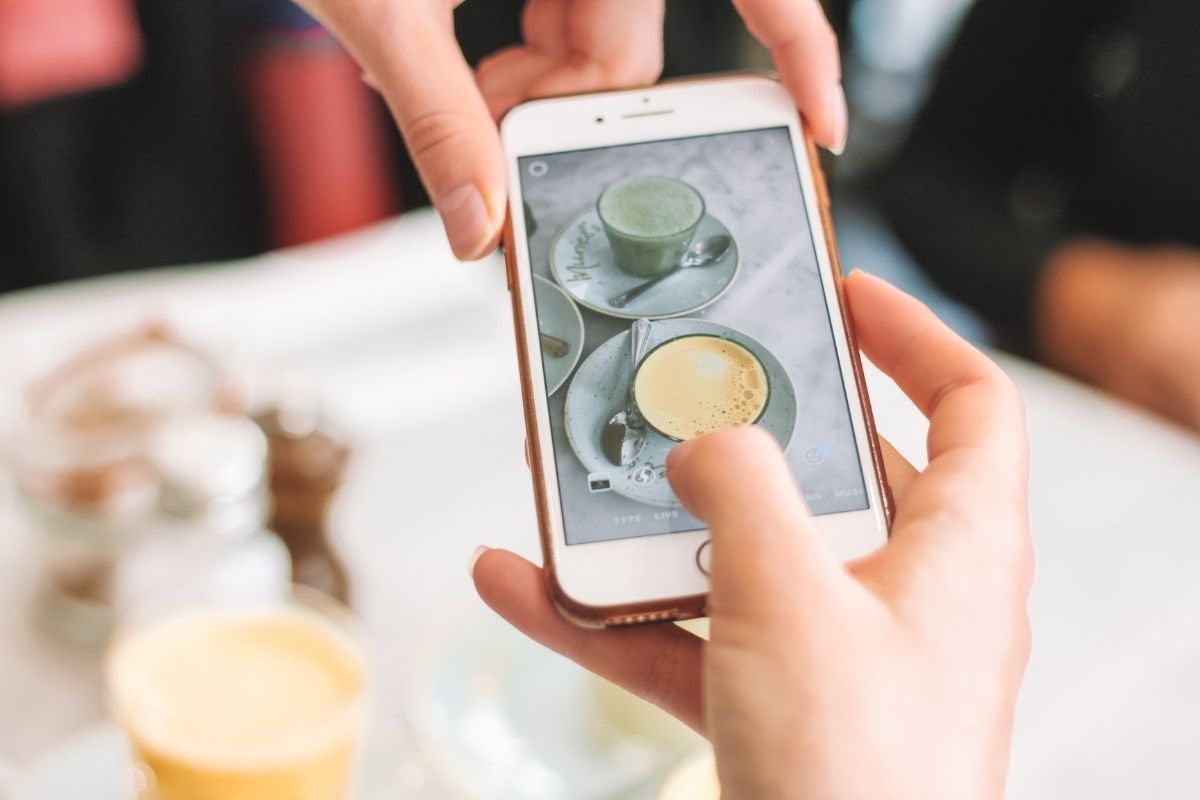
{"points": [[187, 131], [1053, 183], [132, 168]]}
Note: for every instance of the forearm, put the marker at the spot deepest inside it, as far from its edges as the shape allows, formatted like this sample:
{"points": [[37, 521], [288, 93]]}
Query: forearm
{"points": [[1082, 307], [1127, 319]]}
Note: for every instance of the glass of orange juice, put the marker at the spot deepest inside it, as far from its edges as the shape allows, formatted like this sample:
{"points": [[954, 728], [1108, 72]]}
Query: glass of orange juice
{"points": [[261, 699]]}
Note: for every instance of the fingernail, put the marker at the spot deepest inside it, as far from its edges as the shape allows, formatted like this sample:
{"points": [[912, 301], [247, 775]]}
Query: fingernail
{"points": [[466, 220], [841, 119], [479, 551]]}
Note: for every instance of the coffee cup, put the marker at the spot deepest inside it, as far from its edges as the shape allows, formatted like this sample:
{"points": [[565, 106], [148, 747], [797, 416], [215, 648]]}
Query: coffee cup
{"points": [[695, 384], [234, 702], [649, 222]]}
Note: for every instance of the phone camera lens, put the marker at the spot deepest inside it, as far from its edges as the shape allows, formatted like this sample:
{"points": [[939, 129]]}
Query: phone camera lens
{"points": [[599, 120]]}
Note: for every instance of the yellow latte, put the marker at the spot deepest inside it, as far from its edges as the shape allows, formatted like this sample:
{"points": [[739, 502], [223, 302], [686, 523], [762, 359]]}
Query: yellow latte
{"points": [[240, 704], [692, 385]]}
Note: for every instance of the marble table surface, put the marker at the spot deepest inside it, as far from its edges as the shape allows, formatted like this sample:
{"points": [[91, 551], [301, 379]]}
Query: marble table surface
{"points": [[414, 353]]}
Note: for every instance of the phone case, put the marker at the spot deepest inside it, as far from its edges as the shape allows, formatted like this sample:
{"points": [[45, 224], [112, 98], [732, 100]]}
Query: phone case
{"points": [[673, 608]]}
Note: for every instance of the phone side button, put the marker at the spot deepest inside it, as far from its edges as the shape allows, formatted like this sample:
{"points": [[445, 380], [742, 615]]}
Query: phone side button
{"points": [[528, 459], [704, 557]]}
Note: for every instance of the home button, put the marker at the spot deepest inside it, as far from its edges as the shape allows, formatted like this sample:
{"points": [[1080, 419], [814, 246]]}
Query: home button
{"points": [[704, 557]]}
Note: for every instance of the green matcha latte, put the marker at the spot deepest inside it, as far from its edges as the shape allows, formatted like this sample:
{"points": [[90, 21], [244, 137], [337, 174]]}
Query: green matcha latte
{"points": [[649, 222]]}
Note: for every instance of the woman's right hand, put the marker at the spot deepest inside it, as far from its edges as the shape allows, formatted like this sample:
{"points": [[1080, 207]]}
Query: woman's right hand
{"points": [[893, 677]]}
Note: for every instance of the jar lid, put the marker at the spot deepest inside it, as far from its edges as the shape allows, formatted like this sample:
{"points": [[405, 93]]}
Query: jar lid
{"points": [[82, 436], [207, 460]]}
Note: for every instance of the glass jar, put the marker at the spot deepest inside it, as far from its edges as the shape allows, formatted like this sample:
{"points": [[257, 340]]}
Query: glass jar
{"points": [[212, 505], [89, 470]]}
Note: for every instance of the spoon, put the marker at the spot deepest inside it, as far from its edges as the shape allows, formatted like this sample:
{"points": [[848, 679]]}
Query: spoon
{"points": [[554, 346], [703, 253], [624, 434]]}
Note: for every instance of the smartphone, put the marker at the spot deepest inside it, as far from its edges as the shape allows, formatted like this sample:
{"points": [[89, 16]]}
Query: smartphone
{"points": [[673, 270]]}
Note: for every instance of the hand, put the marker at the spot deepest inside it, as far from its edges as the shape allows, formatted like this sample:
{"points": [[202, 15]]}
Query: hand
{"points": [[446, 114], [891, 677], [1127, 320]]}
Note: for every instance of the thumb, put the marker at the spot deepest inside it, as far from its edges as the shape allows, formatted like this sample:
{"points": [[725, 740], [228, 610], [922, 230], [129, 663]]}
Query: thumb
{"points": [[411, 53], [765, 548]]}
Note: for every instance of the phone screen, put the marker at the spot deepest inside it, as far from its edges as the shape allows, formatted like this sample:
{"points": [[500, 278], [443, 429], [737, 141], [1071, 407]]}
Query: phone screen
{"points": [[706, 238]]}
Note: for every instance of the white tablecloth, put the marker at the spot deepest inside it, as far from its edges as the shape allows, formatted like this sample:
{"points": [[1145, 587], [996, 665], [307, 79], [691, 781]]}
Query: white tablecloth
{"points": [[414, 353]]}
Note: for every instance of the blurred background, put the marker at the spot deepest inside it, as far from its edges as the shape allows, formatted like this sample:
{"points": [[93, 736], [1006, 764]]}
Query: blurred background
{"points": [[237, 351]]}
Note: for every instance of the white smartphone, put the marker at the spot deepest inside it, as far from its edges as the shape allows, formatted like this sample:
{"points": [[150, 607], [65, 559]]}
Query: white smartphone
{"points": [[673, 270]]}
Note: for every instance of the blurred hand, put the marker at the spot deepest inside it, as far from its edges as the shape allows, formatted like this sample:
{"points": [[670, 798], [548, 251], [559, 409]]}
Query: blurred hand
{"points": [[892, 677], [1127, 320], [447, 115]]}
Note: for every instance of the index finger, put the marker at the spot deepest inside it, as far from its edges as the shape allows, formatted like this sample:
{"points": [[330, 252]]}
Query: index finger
{"points": [[973, 408], [409, 49], [805, 51]]}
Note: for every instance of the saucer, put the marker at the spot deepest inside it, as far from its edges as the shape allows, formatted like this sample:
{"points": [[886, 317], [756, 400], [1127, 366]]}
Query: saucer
{"points": [[583, 264], [558, 316], [600, 388], [499, 716], [95, 763]]}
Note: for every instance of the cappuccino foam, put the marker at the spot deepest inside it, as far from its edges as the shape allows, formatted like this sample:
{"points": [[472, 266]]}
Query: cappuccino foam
{"points": [[693, 385], [650, 207]]}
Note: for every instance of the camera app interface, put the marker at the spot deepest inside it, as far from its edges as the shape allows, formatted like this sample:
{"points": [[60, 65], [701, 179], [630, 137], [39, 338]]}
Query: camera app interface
{"points": [[677, 292]]}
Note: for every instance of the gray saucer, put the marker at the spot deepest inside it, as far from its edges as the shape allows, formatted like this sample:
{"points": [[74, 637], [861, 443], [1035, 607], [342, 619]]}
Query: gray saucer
{"points": [[582, 263], [601, 386], [558, 316]]}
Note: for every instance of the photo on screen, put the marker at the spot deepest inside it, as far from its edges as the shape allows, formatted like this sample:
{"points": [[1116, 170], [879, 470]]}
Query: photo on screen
{"points": [[696, 252]]}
